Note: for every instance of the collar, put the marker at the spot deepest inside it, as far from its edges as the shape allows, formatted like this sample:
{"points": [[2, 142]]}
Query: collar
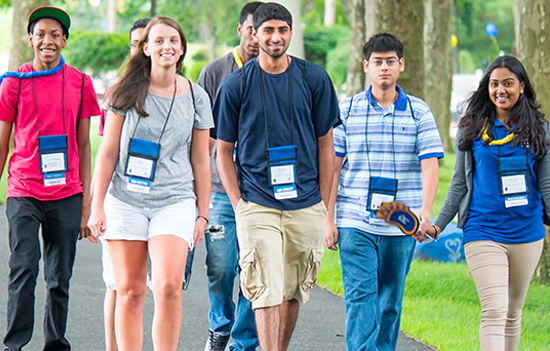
{"points": [[400, 103], [501, 125], [237, 57]]}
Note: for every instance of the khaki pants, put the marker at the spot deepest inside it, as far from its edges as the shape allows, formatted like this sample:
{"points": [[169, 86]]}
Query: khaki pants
{"points": [[501, 273]]}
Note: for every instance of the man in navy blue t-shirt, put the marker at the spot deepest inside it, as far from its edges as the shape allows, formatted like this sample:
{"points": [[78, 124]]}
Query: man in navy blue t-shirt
{"points": [[278, 111]]}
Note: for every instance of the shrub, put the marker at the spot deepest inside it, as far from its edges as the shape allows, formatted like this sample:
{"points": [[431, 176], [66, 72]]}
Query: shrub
{"points": [[319, 41]]}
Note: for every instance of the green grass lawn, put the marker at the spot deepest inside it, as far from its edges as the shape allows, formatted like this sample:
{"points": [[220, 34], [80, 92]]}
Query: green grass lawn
{"points": [[441, 306]]}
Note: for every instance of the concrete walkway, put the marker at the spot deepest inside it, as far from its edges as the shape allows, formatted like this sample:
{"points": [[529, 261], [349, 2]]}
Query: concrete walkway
{"points": [[320, 325]]}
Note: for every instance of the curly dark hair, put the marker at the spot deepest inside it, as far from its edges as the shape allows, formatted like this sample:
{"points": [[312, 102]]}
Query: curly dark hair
{"points": [[525, 115]]}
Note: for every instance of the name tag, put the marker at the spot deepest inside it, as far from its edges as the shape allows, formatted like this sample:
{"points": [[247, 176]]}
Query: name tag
{"points": [[142, 159], [53, 155], [513, 175], [283, 192], [515, 201], [51, 179], [138, 185], [381, 190]]}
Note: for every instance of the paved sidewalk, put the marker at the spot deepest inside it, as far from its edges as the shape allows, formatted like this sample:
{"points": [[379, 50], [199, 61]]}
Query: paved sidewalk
{"points": [[320, 325]]}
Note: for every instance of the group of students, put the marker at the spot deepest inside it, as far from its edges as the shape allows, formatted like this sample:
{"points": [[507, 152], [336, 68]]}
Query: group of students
{"points": [[284, 169]]}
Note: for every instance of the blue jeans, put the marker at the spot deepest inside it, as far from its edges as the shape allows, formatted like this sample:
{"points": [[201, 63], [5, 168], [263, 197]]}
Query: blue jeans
{"points": [[222, 262], [374, 269]]}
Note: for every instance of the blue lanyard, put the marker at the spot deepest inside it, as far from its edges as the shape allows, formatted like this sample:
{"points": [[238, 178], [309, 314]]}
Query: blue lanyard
{"points": [[34, 74]]}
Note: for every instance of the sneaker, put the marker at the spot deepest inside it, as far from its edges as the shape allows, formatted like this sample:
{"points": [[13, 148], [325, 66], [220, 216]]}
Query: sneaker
{"points": [[216, 341]]}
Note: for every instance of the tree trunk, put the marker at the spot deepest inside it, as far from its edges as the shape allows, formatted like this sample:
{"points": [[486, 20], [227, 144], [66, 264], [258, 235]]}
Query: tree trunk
{"points": [[356, 76], [438, 65], [347, 6], [330, 13], [296, 47], [534, 53], [405, 19], [20, 51]]}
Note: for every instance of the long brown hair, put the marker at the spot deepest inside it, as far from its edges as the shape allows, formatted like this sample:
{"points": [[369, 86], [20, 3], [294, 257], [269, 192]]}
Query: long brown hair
{"points": [[131, 89]]}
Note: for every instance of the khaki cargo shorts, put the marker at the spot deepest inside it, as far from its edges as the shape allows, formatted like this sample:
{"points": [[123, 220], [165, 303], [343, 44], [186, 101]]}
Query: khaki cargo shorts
{"points": [[280, 252]]}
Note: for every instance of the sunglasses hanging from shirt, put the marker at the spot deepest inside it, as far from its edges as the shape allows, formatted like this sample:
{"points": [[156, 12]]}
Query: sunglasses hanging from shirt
{"points": [[282, 161]]}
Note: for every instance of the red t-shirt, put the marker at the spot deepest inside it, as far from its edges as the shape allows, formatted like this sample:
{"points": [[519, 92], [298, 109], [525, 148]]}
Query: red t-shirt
{"points": [[25, 179]]}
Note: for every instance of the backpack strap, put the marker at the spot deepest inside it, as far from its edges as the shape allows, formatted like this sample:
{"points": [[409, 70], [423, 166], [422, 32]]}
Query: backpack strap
{"points": [[192, 95], [80, 107]]}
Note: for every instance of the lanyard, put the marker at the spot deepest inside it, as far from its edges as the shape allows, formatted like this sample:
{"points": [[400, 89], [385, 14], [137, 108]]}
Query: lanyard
{"points": [[506, 138], [62, 104], [289, 99], [167, 115]]}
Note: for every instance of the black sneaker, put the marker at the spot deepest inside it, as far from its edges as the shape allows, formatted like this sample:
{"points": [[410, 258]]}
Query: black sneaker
{"points": [[216, 341]]}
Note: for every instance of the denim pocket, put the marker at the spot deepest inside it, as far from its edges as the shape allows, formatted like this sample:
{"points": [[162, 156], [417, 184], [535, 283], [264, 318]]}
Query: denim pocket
{"points": [[252, 284], [312, 269]]}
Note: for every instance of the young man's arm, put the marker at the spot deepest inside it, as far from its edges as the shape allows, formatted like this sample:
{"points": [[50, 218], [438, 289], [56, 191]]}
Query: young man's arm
{"points": [[84, 157], [228, 172], [5, 133], [325, 159], [331, 232], [430, 182]]}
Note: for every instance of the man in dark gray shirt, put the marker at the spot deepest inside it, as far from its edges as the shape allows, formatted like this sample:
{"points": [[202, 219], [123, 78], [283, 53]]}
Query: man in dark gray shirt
{"points": [[221, 237]]}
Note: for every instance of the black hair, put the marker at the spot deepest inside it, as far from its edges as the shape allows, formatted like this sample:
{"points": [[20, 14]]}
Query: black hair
{"points": [[271, 11], [525, 115], [33, 24], [248, 9], [139, 23], [382, 42]]}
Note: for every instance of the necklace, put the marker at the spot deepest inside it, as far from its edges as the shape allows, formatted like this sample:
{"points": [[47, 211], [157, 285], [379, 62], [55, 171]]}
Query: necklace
{"points": [[499, 142]]}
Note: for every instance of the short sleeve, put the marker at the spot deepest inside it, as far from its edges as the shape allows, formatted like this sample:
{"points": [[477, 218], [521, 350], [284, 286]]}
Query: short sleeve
{"points": [[90, 105], [227, 108], [428, 139], [9, 90], [339, 134], [325, 111], [203, 111]]}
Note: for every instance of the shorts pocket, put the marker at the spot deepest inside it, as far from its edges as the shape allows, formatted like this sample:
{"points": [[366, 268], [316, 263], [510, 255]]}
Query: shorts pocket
{"points": [[312, 269], [252, 284]]}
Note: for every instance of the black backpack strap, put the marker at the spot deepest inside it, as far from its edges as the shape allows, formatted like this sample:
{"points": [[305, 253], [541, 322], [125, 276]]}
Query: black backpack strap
{"points": [[17, 102], [80, 107], [192, 95]]}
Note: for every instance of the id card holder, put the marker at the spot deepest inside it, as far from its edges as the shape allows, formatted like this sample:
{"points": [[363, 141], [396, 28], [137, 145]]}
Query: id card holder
{"points": [[282, 165], [381, 190], [141, 164], [53, 154], [514, 183]]}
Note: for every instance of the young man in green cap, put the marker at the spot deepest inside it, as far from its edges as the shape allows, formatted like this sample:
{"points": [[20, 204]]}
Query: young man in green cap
{"points": [[48, 105]]}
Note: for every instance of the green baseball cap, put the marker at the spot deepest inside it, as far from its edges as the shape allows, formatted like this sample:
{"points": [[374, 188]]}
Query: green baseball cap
{"points": [[50, 12]]}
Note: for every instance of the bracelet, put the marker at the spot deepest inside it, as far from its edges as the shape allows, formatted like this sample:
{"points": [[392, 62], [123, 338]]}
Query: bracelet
{"points": [[203, 217], [436, 231]]}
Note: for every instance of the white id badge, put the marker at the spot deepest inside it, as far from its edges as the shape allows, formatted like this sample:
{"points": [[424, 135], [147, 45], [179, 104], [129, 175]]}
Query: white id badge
{"points": [[283, 192], [514, 201], [138, 185], [377, 199], [53, 162], [139, 167], [513, 184], [283, 174], [51, 179]]}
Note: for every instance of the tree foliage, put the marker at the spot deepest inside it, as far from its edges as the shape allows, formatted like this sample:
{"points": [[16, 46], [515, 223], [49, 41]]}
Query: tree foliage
{"points": [[97, 51]]}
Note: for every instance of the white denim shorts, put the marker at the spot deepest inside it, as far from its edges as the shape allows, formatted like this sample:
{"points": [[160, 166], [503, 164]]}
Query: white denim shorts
{"points": [[128, 222]]}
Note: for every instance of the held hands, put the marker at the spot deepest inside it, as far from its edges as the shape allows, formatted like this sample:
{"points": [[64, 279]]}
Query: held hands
{"points": [[425, 225]]}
